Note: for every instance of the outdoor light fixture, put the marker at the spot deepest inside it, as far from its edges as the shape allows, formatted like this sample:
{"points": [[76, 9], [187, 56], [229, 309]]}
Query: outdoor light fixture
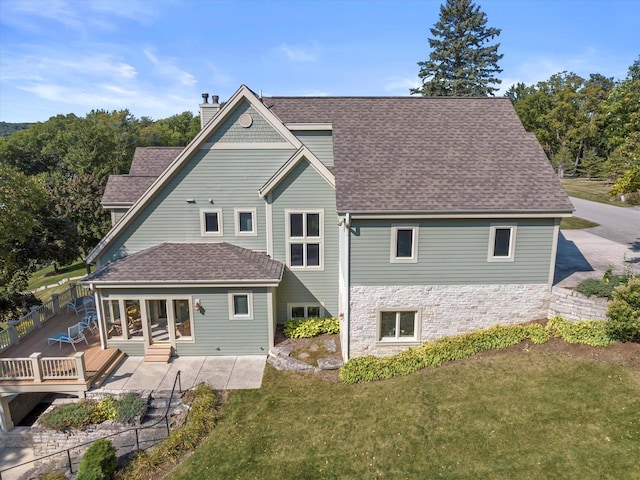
{"points": [[191, 200], [196, 304]]}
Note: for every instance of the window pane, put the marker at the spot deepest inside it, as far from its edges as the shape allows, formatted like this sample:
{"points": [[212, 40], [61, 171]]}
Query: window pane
{"points": [[246, 221], [296, 255], [134, 319], [111, 309], [313, 224], [404, 243], [211, 222], [313, 254], [241, 305], [182, 318], [407, 324], [313, 311], [295, 227], [388, 325], [501, 247], [297, 312]]}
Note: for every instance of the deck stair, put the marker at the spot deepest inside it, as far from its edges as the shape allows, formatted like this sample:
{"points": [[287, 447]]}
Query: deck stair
{"points": [[158, 352], [106, 368]]}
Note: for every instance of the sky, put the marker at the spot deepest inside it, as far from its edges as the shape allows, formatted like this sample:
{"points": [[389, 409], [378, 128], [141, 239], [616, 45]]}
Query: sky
{"points": [[156, 57]]}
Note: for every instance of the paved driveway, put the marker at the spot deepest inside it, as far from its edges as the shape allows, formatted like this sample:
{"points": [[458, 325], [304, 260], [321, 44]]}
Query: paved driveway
{"points": [[618, 224]]}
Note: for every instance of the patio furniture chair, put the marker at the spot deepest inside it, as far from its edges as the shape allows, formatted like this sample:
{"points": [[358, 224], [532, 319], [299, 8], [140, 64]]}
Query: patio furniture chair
{"points": [[90, 321], [77, 306], [88, 302], [74, 335]]}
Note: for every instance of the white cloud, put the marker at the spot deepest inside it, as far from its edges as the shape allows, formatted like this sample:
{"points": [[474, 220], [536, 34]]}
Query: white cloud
{"points": [[168, 69], [298, 53], [400, 85]]}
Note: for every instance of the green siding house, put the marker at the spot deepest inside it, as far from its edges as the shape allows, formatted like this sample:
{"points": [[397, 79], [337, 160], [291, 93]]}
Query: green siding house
{"points": [[406, 218]]}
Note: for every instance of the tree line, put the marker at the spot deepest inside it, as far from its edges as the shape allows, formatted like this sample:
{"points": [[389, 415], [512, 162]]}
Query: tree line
{"points": [[52, 177]]}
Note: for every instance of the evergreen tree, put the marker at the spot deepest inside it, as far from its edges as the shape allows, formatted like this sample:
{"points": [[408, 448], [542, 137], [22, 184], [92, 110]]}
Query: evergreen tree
{"points": [[460, 62]]}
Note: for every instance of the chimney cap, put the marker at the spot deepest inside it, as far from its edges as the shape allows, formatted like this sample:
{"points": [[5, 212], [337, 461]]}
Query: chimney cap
{"points": [[205, 97], [214, 98]]}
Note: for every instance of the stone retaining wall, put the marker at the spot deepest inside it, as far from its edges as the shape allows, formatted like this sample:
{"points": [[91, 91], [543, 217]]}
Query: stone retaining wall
{"points": [[572, 305], [446, 310]]}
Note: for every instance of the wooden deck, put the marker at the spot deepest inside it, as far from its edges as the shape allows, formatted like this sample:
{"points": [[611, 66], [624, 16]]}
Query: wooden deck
{"points": [[98, 362]]}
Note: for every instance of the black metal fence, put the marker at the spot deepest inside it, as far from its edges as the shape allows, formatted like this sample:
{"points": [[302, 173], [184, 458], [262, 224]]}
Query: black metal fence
{"points": [[126, 442]]}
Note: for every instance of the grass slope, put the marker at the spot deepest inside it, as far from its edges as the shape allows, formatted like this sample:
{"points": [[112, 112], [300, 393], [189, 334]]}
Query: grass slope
{"points": [[594, 190], [506, 416], [576, 223]]}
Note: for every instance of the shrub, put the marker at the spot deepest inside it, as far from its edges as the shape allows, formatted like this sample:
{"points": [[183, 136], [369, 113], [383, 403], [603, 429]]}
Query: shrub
{"points": [[105, 409], [130, 407], [99, 462], [589, 332], [69, 415], [431, 354], [200, 422], [311, 327], [604, 287], [624, 312]]}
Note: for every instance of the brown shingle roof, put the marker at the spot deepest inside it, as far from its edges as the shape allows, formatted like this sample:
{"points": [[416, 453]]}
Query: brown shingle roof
{"points": [[191, 262], [147, 165], [152, 161], [125, 188], [433, 154]]}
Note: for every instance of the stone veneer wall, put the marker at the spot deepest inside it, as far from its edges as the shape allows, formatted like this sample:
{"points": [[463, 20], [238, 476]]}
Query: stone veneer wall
{"points": [[572, 305], [446, 310]]}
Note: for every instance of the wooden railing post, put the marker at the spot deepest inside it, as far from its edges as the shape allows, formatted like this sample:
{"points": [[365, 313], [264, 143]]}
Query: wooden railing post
{"points": [[80, 366], [74, 292], [55, 298], [35, 315], [36, 366], [13, 332]]}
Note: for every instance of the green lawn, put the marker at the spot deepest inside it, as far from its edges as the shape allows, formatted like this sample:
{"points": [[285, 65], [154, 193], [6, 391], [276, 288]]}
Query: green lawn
{"points": [[46, 275], [594, 190], [575, 223], [507, 416]]}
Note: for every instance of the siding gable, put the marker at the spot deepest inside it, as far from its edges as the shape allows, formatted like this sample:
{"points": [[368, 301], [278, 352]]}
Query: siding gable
{"points": [[304, 189], [260, 131], [319, 142]]}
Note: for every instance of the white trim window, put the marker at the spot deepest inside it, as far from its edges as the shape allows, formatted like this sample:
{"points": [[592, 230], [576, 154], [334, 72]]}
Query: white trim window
{"points": [[240, 305], [502, 243], [404, 243], [245, 222], [305, 242], [211, 222], [305, 310], [400, 325]]}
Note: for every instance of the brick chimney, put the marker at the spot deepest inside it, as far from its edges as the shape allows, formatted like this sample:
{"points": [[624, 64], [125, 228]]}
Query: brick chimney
{"points": [[208, 110]]}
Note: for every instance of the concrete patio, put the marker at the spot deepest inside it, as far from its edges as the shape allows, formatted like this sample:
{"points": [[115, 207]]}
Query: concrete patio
{"points": [[221, 373]]}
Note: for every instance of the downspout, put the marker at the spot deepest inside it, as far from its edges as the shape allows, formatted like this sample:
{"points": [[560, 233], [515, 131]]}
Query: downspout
{"points": [[347, 312]]}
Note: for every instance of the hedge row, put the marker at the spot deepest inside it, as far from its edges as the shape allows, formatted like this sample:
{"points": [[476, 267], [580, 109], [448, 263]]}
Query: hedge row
{"points": [[432, 354]]}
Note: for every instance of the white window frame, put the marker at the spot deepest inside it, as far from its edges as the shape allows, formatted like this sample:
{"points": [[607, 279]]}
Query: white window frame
{"points": [[291, 306], [254, 219], [232, 313], [203, 223], [414, 244], [417, 325], [492, 242], [305, 240]]}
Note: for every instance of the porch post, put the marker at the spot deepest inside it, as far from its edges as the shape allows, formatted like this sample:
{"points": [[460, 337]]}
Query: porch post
{"points": [[80, 366], [35, 315], [55, 298], [36, 366], [13, 333], [6, 423]]}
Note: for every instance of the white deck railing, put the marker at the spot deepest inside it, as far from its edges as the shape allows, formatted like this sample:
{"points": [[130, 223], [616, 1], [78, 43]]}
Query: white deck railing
{"points": [[38, 369], [39, 315]]}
